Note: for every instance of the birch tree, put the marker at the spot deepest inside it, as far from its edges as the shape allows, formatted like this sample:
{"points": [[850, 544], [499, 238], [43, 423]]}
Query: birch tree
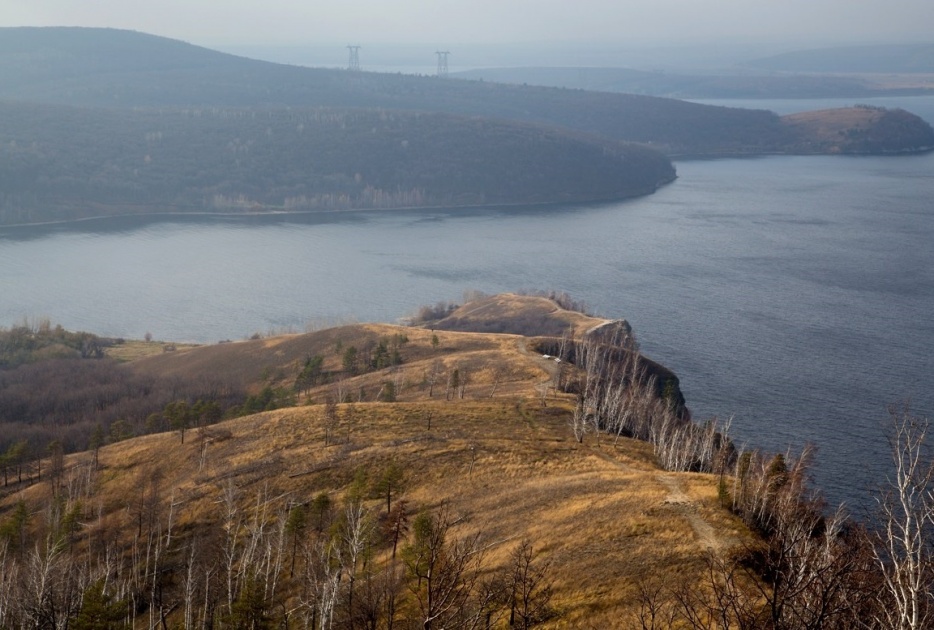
{"points": [[903, 540]]}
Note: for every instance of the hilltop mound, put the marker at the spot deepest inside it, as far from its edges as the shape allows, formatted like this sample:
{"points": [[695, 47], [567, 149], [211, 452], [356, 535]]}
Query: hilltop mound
{"points": [[515, 314], [861, 129]]}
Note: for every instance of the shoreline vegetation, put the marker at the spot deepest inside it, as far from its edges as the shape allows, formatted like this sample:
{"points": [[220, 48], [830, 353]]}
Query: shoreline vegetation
{"points": [[281, 212], [575, 460]]}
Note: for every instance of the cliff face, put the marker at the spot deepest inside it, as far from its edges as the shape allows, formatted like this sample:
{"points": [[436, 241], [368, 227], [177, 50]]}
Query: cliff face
{"points": [[859, 130], [556, 331]]}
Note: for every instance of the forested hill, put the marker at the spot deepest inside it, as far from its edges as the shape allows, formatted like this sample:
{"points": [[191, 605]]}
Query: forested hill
{"points": [[103, 67], [61, 163], [113, 68]]}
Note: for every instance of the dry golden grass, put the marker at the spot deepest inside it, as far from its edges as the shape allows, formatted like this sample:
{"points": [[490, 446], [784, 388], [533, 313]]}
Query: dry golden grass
{"points": [[480, 358], [602, 513], [831, 126], [133, 349], [519, 314]]}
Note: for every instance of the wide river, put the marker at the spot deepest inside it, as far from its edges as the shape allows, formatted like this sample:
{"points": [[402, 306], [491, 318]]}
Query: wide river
{"points": [[795, 294]]}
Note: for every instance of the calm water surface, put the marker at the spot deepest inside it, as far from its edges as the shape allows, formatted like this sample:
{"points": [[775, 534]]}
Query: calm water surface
{"points": [[792, 293]]}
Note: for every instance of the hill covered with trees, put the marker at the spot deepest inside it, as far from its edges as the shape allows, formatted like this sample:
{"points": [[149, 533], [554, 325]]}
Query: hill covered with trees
{"points": [[60, 163], [109, 68]]}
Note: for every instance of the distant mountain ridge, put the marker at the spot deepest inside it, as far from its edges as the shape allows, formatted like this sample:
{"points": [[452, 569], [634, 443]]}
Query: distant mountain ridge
{"points": [[743, 83], [109, 68], [906, 58], [98, 122]]}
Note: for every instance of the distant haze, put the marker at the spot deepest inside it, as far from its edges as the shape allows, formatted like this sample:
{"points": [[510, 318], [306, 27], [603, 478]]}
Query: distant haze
{"points": [[445, 23]]}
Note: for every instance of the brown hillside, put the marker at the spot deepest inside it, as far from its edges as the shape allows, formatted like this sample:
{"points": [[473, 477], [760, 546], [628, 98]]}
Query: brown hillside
{"points": [[278, 360], [517, 314], [860, 129], [496, 452], [605, 516]]}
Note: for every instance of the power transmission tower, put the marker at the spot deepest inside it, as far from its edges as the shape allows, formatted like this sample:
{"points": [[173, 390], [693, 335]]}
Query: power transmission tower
{"points": [[354, 63], [443, 62]]}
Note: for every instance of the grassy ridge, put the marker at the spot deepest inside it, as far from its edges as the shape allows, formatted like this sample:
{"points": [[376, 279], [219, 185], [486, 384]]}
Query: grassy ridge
{"points": [[600, 515]]}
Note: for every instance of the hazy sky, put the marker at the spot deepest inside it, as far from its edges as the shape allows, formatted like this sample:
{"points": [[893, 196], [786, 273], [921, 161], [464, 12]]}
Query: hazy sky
{"points": [[662, 22]]}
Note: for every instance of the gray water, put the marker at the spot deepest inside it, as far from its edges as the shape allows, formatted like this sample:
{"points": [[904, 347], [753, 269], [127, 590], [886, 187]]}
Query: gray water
{"points": [[792, 293]]}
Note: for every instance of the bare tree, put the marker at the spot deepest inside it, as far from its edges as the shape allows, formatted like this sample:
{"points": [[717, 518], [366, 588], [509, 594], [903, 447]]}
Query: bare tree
{"points": [[464, 382], [529, 587], [497, 373], [433, 374], [656, 607], [330, 418], [355, 538], [443, 570], [542, 388], [903, 541], [454, 382], [723, 600], [578, 420]]}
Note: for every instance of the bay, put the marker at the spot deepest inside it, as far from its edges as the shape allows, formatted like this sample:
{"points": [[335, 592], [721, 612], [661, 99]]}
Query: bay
{"points": [[792, 293]]}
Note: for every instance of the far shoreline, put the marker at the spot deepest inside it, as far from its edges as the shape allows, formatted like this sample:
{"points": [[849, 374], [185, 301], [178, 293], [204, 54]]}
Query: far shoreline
{"points": [[275, 211]]}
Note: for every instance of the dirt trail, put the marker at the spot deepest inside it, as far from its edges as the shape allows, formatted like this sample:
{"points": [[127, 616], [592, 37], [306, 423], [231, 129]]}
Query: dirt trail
{"points": [[709, 536], [549, 365]]}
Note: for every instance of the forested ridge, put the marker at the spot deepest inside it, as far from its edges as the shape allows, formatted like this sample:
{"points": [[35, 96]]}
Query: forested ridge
{"points": [[111, 68], [61, 162]]}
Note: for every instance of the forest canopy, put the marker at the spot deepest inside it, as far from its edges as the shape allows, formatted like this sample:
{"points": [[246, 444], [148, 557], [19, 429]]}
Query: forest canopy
{"points": [[60, 163]]}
